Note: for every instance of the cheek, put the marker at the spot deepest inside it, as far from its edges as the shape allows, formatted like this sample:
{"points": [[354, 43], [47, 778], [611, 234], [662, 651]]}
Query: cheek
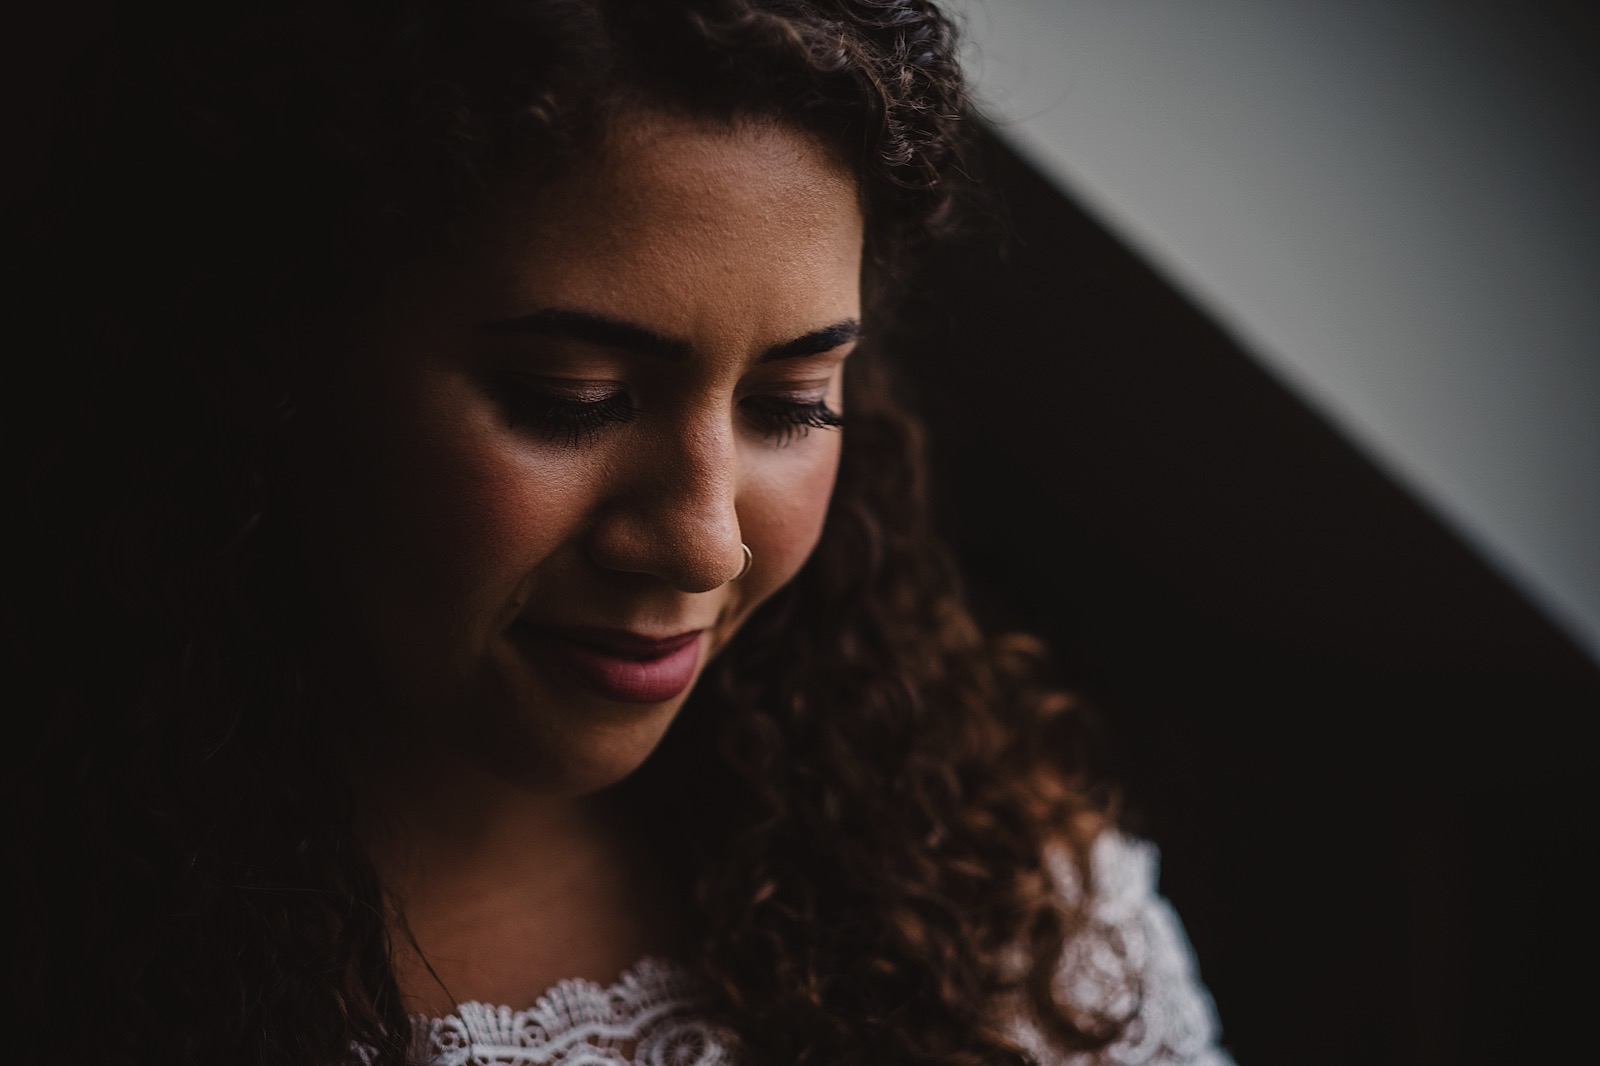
{"points": [[782, 518], [484, 520], [444, 514]]}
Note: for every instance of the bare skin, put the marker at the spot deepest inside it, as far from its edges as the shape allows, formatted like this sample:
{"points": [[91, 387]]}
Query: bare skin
{"points": [[526, 893], [573, 430]]}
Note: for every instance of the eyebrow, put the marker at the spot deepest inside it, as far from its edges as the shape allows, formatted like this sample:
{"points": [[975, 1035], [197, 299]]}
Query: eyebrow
{"points": [[603, 331]]}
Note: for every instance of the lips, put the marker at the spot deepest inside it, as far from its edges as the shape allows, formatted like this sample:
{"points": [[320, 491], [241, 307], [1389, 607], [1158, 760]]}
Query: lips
{"points": [[627, 667]]}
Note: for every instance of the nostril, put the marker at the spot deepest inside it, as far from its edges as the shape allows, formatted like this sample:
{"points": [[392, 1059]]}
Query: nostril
{"points": [[672, 510]]}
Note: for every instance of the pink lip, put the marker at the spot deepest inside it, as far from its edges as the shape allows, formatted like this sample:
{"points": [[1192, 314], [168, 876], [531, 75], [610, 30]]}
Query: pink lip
{"points": [[628, 667]]}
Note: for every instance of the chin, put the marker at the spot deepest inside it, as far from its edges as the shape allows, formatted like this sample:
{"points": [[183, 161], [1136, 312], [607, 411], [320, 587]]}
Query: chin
{"points": [[580, 758]]}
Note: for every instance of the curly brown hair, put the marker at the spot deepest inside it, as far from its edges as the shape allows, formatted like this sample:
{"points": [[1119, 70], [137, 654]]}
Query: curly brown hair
{"points": [[863, 790]]}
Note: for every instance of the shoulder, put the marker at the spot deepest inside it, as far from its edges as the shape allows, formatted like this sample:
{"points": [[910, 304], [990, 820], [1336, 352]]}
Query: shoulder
{"points": [[1132, 960]]}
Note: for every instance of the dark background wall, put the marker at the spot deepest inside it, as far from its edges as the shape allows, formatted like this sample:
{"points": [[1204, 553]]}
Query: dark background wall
{"points": [[1358, 747]]}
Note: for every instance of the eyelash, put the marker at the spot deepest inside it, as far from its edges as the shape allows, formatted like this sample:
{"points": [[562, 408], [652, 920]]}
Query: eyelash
{"points": [[578, 422], [787, 420], [569, 422]]}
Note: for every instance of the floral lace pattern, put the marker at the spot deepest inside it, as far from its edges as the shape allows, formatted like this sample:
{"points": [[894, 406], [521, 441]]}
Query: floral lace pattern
{"points": [[645, 1019], [1136, 956], [648, 1018]]}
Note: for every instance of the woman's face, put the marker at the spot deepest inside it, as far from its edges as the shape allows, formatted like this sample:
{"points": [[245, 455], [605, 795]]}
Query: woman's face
{"points": [[527, 483]]}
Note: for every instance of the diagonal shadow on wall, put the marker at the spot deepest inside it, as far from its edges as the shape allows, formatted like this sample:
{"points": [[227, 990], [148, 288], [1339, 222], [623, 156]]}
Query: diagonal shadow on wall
{"points": [[1355, 742]]}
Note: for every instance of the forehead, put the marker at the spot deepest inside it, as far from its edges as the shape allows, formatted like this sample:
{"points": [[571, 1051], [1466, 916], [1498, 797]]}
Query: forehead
{"points": [[675, 218]]}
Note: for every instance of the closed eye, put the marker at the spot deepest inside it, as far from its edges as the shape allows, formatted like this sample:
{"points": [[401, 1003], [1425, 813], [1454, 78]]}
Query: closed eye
{"points": [[785, 420], [572, 417]]}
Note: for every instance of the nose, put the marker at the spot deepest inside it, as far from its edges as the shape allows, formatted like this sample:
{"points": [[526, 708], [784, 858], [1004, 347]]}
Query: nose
{"points": [[673, 514]]}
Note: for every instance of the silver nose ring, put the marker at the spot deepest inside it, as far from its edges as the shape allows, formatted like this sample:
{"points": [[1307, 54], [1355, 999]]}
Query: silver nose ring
{"points": [[748, 560]]}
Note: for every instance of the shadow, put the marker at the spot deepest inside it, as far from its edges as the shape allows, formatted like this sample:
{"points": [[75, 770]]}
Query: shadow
{"points": [[1355, 743]]}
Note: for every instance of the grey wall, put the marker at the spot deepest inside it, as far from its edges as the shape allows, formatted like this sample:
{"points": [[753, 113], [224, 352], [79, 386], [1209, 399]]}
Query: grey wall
{"points": [[1390, 204]]}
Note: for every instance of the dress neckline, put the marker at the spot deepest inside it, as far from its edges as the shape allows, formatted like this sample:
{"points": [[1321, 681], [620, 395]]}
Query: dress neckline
{"points": [[646, 1015]]}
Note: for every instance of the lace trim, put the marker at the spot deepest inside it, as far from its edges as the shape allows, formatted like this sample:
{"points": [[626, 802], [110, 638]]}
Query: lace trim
{"points": [[1140, 957], [580, 1023], [1135, 956]]}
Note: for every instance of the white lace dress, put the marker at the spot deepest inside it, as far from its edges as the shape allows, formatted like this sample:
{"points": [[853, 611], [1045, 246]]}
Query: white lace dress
{"points": [[650, 1013]]}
